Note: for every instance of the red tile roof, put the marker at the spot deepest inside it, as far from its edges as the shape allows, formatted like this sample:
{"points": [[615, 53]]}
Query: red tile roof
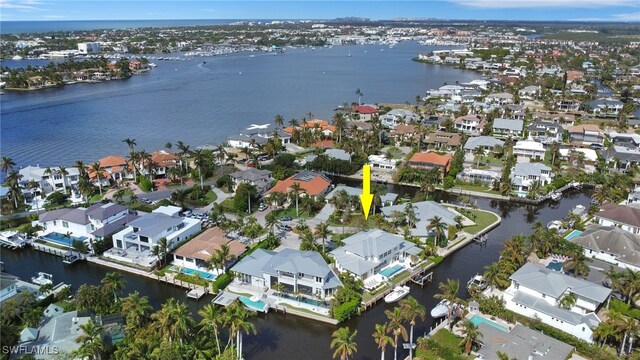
{"points": [[111, 161], [207, 243], [365, 109], [431, 158], [314, 186], [164, 158]]}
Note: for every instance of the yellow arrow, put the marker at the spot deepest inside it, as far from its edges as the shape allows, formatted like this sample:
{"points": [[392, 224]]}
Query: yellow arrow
{"points": [[366, 198]]}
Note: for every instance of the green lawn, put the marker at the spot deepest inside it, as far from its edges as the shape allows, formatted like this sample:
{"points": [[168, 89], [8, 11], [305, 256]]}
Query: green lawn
{"points": [[473, 187], [210, 197], [488, 160], [482, 220], [400, 277], [442, 345], [56, 246]]}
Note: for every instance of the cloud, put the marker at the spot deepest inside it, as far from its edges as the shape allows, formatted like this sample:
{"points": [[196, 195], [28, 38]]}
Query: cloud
{"points": [[22, 5], [632, 16], [514, 4]]}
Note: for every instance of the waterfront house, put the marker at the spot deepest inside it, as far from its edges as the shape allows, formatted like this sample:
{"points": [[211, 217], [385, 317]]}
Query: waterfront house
{"points": [[314, 125], [311, 184], [529, 149], [612, 245], [628, 140], [261, 179], [425, 211], [470, 124], [442, 140], [49, 179], [93, 223], [8, 286], [485, 177], [135, 242], [57, 334], [586, 134], [382, 162], [197, 252], [545, 132], [536, 291], [622, 158], [606, 107], [523, 175], [625, 217], [487, 143], [337, 154], [162, 161], [366, 253], [116, 167], [507, 127], [431, 160], [257, 135], [396, 117], [303, 272], [404, 133], [365, 112], [520, 342]]}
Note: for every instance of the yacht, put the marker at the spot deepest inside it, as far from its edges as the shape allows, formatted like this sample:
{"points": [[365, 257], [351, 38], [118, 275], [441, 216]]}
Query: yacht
{"points": [[17, 57], [478, 281], [398, 293], [42, 279], [441, 309]]}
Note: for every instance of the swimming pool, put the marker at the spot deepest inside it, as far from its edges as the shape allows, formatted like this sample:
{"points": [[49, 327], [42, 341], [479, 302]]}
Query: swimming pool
{"points": [[62, 239], [477, 320], [573, 234], [254, 305], [556, 266], [389, 272], [202, 274]]}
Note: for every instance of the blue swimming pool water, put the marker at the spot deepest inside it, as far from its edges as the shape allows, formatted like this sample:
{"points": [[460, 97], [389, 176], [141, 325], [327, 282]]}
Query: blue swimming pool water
{"points": [[477, 320], [256, 305], [202, 274], [555, 266], [573, 234], [389, 272], [62, 239]]}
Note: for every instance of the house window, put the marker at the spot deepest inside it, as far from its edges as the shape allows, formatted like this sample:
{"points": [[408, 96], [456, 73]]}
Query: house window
{"points": [[300, 275], [119, 244], [65, 224], [55, 223], [318, 279], [178, 257]]}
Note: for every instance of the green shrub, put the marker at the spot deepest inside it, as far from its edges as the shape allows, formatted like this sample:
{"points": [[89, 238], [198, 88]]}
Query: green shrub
{"points": [[449, 182], [145, 184], [344, 311], [57, 198], [624, 308], [221, 282]]}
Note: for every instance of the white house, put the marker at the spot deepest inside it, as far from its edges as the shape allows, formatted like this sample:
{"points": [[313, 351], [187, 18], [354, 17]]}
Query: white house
{"points": [[50, 179], [523, 175], [529, 149], [304, 272], [625, 217], [536, 291], [381, 162], [507, 127], [397, 116], [611, 244]]}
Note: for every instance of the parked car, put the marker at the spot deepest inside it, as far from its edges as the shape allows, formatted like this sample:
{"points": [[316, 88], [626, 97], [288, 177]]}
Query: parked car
{"points": [[262, 207], [285, 227], [145, 200], [286, 218]]}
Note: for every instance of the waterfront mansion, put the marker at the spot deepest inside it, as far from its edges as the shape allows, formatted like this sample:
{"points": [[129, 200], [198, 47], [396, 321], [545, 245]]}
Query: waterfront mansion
{"points": [[135, 242], [536, 291], [304, 272]]}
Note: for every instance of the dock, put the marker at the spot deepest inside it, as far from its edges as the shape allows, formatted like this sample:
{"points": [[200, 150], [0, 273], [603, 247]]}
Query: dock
{"points": [[416, 273], [71, 257], [195, 294], [481, 239], [422, 279]]}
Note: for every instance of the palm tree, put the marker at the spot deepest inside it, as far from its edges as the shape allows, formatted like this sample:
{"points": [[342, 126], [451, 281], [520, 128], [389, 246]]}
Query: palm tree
{"points": [[479, 153], [412, 309], [438, 227], [131, 143], [359, 94], [160, 250], [449, 292], [343, 340], [114, 283], [322, 231], [382, 339], [95, 167], [201, 160], [578, 263], [136, 310], [471, 335], [13, 182], [278, 120], [604, 331], [567, 301], [62, 170], [236, 320], [396, 327], [91, 340], [212, 319], [495, 276], [627, 325], [296, 189], [6, 164]]}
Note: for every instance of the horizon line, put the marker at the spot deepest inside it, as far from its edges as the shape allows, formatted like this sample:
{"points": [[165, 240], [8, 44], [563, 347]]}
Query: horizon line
{"points": [[355, 17]]}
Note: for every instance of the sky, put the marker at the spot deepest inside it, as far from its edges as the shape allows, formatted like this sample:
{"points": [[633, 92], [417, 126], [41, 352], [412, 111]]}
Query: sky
{"points": [[572, 10]]}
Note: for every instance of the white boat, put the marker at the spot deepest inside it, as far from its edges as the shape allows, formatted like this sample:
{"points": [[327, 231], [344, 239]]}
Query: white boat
{"points": [[42, 279], [17, 57], [398, 293], [555, 196], [441, 309], [478, 282]]}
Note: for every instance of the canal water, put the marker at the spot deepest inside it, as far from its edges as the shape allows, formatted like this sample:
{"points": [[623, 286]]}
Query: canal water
{"points": [[281, 336]]}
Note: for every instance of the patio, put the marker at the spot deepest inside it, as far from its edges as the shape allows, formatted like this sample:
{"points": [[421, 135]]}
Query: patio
{"points": [[274, 300], [132, 256]]}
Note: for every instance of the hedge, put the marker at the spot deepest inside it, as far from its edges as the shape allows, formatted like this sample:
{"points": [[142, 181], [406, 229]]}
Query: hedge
{"points": [[344, 311], [221, 282]]}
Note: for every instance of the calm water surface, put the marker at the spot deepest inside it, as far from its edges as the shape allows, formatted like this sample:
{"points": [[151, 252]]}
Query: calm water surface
{"points": [[288, 337], [204, 100]]}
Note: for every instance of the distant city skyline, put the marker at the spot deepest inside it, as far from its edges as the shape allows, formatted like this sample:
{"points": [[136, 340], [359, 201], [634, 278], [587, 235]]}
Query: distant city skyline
{"points": [[535, 10]]}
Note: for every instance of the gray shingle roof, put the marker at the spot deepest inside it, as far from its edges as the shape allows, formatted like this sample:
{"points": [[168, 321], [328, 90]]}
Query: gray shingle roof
{"points": [[251, 174], [529, 169], [102, 211], [486, 141], [154, 223], [76, 216], [520, 343], [613, 240], [565, 315], [352, 191], [555, 284], [425, 211], [508, 124]]}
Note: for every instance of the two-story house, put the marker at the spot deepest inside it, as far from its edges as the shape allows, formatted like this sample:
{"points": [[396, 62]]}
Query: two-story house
{"points": [[623, 216], [443, 140], [197, 252], [303, 272], [365, 112], [261, 179], [507, 127], [546, 132], [396, 117], [143, 233], [624, 139], [487, 143], [621, 158], [431, 160], [536, 291], [424, 212], [116, 167], [469, 124], [529, 149], [50, 179], [610, 244], [587, 134], [606, 107], [366, 253], [523, 175]]}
